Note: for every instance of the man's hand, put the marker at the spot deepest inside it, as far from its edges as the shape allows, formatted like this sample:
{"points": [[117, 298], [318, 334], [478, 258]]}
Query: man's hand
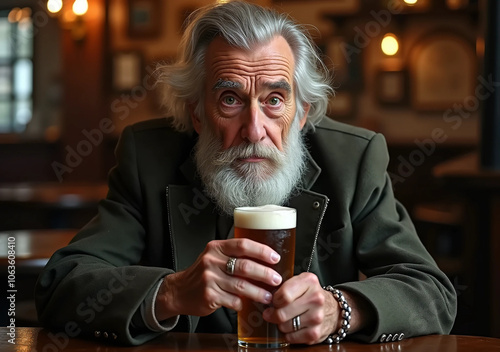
{"points": [[319, 312], [206, 286], [303, 295]]}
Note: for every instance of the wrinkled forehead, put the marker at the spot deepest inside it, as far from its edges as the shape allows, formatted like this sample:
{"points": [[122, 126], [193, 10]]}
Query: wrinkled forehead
{"points": [[272, 61]]}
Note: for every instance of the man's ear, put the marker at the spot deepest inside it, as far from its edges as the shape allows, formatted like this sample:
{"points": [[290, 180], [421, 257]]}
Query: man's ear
{"points": [[194, 119], [303, 119]]}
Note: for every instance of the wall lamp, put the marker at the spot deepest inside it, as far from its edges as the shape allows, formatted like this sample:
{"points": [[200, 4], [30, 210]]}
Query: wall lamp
{"points": [[390, 44], [70, 18]]}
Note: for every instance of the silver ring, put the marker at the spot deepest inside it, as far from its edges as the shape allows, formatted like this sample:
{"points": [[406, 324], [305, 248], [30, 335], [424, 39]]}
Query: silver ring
{"points": [[296, 323], [231, 263]]}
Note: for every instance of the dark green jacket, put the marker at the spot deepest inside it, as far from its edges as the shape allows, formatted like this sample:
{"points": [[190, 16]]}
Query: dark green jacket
{"points": [[156, 220]]}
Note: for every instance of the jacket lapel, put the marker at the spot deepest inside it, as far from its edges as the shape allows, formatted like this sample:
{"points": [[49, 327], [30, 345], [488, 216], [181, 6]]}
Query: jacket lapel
{"points": [[310, 208], [192, 223]]}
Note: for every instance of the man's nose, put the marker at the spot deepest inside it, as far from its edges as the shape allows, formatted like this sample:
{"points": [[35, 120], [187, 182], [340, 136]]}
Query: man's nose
{"points": [[253, 129]]}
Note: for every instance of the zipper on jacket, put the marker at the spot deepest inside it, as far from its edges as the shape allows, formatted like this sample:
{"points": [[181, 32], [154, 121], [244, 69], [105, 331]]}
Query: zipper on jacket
{"points": [[170, 230], [174, 262], [317, 234]]}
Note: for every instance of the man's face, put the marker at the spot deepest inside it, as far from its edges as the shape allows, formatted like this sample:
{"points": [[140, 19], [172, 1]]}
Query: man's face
{"points": [[250, 151], [249, 95]]}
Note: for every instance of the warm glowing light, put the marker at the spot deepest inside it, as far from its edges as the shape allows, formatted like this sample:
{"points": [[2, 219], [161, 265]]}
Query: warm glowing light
{"points": [[410, 2], [26, 12], [18, 15], [390, 45], [14, 15], [80, 7], [67, 18], [54, 6], [456, 4]]}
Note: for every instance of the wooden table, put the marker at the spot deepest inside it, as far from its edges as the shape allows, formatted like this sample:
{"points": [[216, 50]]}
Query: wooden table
{"points": [[68, 194], [32, 251], [49, 204], [33, 247], [37, 339]]}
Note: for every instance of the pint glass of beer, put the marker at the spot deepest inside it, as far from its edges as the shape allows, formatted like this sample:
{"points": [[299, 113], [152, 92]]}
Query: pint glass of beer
{"points": [[274, 226]]}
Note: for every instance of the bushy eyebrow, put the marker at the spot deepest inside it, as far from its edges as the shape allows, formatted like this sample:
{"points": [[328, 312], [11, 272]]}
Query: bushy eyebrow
{"points": [[280, 85], [224, 83]]}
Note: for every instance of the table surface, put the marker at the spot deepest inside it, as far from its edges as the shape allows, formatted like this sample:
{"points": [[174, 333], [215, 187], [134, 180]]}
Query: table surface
{"points": [[466, 170], [37, 339], [52, 193], [33, 244]]}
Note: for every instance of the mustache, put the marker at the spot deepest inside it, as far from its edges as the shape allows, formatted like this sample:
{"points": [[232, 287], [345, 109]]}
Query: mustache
{"points": [[247, 150]]}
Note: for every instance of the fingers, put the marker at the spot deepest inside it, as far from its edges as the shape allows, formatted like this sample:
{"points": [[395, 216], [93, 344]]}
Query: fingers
{"points": [[254, 271], [252, 260], [247, 278], [295, 288], [309, 327], [244, 247], [222, 298], [310, 335], [239, 269], [243, 288], [305, 306], [302, 296]]}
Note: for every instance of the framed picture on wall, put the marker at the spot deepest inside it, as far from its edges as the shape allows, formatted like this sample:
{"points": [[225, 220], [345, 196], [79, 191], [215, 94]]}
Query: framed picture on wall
{"points": [[127, 70], [144, 18], [443, 71], [391, 87]]}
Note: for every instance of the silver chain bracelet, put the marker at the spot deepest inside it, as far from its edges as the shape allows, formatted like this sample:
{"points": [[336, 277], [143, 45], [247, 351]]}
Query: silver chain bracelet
{"points": [[346, 316]]}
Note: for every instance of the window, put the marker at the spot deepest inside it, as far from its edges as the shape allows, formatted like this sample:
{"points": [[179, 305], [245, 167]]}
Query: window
{"points": [[16, 70]]}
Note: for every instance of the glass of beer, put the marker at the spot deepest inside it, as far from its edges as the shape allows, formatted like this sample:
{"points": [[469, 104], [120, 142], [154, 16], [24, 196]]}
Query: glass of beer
{"points": [[274, 226]]}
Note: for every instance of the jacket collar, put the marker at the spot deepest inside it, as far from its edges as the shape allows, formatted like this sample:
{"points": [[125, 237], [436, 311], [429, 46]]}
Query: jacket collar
{"points": [[312, 172]]}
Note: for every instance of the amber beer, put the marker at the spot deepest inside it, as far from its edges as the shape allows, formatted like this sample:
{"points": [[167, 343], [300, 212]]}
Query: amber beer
{"points": [[274, 226]]}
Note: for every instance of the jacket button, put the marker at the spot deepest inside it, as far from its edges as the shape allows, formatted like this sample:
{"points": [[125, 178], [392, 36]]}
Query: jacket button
{"points": [[383, 337], [316, 205]]}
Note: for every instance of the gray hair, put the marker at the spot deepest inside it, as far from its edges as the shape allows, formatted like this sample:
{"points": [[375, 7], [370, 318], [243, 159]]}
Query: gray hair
{"points": [[242, 25]]}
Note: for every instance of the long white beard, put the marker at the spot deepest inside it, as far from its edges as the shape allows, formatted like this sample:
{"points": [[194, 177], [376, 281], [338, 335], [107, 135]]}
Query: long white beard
{"points": [[232, 183]]}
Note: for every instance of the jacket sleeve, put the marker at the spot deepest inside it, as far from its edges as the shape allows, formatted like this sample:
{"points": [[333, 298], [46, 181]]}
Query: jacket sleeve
{"points": [[406, 289], [94, 286]]}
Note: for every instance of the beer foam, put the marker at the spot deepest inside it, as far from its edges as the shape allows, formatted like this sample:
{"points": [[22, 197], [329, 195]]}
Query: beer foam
{"points": [[266, 217]]}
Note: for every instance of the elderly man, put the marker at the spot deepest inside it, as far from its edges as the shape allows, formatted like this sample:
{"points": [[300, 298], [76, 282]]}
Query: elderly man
{"points": [[247, 98]]}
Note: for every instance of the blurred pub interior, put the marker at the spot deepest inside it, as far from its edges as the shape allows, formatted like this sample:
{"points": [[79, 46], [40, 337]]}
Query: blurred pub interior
{"points": [[422, 72]]}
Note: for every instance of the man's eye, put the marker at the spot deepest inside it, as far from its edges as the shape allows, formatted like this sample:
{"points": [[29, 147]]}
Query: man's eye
{"points": [[274, 101], [229, 100]]}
